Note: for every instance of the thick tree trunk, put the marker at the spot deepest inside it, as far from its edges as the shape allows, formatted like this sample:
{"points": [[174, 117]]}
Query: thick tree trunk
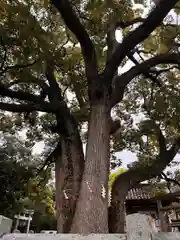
{"points": [[59, 179], [91, 214], [120, 211], [117, 210], [69, 170]]}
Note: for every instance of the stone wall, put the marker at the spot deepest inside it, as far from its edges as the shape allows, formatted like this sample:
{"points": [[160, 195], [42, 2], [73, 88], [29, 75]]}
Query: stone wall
{"points": [[5, 225], [138, 228]]}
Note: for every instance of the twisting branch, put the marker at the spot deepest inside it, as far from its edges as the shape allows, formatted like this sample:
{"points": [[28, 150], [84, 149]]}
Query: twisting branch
{"points": [[160, 137], [174, 149], [38, 82], [34, 102], [131, 178], [18, 66], [49, 71], [138, 35], [120, 82], [20, 95], [55, 95], [145, 71], [129, 23], [74, 24], [51, 158], [158, 72], [171, 153], [56, 99], [163, 176], [139, 51], [44, 107], [111, 41]]}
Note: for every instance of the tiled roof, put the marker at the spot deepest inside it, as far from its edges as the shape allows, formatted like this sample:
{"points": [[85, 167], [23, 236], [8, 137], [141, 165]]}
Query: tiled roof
{"points": [[138, 193], [141, 192]]}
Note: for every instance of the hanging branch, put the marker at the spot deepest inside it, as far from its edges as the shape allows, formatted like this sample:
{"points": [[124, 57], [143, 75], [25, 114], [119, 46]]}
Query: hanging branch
{"points": [[121, 81]]}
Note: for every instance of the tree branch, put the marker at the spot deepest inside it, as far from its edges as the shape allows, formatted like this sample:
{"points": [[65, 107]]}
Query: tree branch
{"points": [[18, 66], [120, 82], [160, 137], [51, 158], [74, 24], [129, 23], [63, 116], [20, 95], [111, 41], [171, 153], [138, 35], [45, 107], [55, 91], [145, 70], [44, 87], [158, 72], [5, 53], [169, 179]]}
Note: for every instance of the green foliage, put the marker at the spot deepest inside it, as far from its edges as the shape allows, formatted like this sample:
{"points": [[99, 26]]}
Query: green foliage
{"points": [[43, 221], [168, 181], [159, 188], [39, 195], [33, 31], [14, 175], [40, 198], [20, 188], [113, 175]]}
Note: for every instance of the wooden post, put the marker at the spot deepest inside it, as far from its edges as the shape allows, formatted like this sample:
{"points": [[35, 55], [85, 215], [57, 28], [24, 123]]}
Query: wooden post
{"points": [[16, 224], [163, 224]]}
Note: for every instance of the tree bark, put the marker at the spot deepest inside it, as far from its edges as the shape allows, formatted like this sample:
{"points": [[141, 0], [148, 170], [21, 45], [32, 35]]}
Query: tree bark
{"points": [[91, 214], [120, 188], [64, 189], [121, 216], [59, 176], [69, 170]]}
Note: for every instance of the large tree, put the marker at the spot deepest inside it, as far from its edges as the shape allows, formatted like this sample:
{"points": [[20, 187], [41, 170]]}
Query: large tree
{"points": [[37, 66]]}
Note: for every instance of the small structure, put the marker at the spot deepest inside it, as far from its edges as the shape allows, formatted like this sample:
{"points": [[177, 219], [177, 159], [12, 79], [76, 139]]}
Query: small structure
{"points": [[164, 208], [169, 211], [141, 200], [25, 218]]}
